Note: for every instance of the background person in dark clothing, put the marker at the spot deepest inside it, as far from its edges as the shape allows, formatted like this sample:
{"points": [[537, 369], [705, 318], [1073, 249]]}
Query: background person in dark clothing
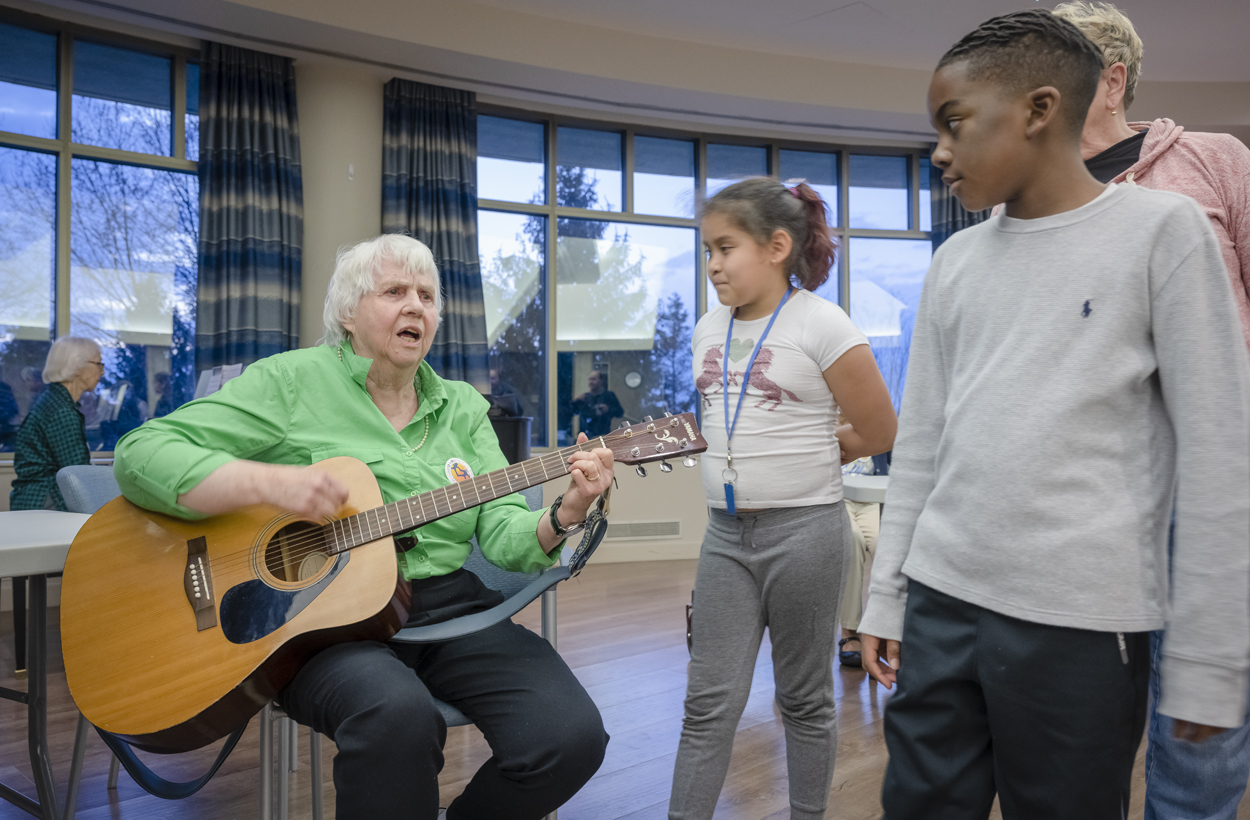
{"points": [[596, 409], [53, 434]]}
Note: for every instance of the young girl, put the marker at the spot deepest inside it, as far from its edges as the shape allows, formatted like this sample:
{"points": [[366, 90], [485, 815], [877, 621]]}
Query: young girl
{"points": [[774, 363]]}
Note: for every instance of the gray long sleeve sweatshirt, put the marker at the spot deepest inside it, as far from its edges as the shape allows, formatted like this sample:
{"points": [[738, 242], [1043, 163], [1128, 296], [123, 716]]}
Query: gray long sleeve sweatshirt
{"points": [[1068, 376]]}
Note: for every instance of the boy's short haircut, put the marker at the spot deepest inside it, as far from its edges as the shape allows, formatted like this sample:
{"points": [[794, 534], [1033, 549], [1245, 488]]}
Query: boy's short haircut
{"points": [[1114, 35], [1030, 49]]}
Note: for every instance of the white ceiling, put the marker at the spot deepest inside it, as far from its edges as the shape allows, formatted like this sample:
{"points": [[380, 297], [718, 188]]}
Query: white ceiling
{"points": [[1185, 40]]}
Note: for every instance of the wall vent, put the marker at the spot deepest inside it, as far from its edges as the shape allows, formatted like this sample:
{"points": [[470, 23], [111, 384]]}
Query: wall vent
{"points": [[642, 530]]}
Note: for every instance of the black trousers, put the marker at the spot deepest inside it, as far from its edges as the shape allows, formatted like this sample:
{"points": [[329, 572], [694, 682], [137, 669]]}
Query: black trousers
{"points": [[376, 702], [1049, 718]]}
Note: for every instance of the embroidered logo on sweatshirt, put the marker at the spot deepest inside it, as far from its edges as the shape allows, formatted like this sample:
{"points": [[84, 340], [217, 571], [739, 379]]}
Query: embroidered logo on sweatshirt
{"points": [[1087, 310]]}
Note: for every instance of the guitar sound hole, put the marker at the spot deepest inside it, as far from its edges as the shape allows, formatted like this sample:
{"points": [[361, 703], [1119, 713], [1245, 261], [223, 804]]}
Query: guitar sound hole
{"points": [[296, 552]]}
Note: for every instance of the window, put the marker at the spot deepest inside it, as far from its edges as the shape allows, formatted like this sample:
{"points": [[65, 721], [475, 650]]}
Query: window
{"points": [[511, 160], [513, 250], [27, 81], [817, 169], [112, 254], [590, 315], [879, 193], [886, 278], [589, 169], [664, 177], [726, 164]]}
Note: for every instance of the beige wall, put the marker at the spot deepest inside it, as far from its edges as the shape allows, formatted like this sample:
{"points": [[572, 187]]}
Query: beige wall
{"points": [[340, 113], [675, 496]]}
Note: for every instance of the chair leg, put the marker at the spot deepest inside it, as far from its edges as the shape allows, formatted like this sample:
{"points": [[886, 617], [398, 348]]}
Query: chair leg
{"points": [[282, 730], [19, 628], [75, 767], [293, 760], [549, 617], [266, 763], [314, 768], [549, 633], [115, 766]]}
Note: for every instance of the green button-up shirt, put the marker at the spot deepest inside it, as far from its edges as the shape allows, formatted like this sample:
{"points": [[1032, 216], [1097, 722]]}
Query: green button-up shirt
{"points": [[308, 405]]}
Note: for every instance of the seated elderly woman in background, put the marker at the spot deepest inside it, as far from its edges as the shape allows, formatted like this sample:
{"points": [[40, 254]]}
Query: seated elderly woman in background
{"points": [[369, 393], [53, 435]]}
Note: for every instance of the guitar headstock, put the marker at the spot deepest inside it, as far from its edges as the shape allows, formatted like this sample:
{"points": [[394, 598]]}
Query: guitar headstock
{"points": [[657, 440]]}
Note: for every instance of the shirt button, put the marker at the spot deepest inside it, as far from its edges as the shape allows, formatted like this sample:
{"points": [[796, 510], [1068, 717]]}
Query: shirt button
{"points": [[421, 558]]}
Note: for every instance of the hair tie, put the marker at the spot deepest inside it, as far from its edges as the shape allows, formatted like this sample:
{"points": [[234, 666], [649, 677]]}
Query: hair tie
{"points": [[794, 192]]}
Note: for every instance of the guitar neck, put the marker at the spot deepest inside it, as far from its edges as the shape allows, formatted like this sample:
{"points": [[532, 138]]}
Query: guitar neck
{"points": [[406, 514]]}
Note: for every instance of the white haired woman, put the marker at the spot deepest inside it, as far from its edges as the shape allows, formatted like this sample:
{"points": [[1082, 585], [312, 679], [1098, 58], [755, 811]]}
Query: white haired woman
{"points": [[1184, 780], [368, 392], [53, 434]]}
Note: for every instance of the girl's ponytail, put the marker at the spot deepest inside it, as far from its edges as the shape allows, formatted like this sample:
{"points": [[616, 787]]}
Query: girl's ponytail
{"points": [[761, 205], [814, 259]]}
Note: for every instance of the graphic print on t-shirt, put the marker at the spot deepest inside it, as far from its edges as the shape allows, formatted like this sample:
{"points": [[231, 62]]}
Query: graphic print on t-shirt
{"points": [[710, 381]]}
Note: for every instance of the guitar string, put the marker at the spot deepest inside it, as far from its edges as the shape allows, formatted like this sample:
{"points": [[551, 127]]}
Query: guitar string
{"points": [[314, 539], [321, 538]]}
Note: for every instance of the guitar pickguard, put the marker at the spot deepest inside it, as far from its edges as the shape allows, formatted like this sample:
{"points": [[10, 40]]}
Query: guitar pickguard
{"points": [[254, 609]]}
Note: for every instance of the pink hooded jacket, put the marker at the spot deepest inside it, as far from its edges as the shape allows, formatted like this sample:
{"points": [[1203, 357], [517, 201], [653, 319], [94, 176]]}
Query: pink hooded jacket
{"points": [[1214, 170]]}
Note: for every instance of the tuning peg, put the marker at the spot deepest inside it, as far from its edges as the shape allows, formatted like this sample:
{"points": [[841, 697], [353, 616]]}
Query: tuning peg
{"points": [[667, 414], [642, 471], [665, 467], [624, 424], [689, 461], [647, 418]]}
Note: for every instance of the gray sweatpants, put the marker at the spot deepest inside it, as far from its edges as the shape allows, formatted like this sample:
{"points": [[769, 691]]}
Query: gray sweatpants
{"points": [[783, 569]]}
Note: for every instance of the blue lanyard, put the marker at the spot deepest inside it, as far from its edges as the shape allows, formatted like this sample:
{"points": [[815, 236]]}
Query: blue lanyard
{"points": [[746, 377]]}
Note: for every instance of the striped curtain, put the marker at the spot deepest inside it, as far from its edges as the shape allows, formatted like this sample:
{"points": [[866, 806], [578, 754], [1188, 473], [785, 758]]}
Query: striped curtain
{"points": [[251, 208], [429, 190], [948, 215]]}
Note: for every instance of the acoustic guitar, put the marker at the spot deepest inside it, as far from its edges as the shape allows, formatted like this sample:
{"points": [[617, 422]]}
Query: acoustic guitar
{"points": [[176, 632]]}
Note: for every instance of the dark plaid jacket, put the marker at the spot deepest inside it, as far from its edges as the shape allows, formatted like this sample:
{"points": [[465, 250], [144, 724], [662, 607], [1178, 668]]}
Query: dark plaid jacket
{"points": [[52, 436]]}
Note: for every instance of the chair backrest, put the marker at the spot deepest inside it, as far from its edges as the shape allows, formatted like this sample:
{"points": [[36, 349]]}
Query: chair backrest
{"points": [[87, 487], [509, 583]]}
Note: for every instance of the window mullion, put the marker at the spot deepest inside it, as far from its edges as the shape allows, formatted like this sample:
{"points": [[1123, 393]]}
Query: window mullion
{"points": [[915, 191], [65, 91], [628, 205], [551, 353], [700, 187], [179, 107], [844, 219]]}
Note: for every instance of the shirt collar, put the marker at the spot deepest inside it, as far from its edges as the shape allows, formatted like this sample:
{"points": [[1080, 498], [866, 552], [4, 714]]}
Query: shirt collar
{"points": [[430, 387], [61, 392]]}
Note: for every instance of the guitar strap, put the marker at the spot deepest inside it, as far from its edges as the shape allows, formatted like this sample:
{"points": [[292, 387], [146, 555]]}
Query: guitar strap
{"points": [[153, 783], [596, 528]]}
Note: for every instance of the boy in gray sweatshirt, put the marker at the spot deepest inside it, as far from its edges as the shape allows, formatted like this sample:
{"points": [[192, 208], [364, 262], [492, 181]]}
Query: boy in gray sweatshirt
{"points": [[1076, 363]]}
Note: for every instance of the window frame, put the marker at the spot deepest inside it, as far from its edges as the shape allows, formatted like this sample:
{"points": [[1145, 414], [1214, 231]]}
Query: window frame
{"points": [[66, 151], [551, 211]]}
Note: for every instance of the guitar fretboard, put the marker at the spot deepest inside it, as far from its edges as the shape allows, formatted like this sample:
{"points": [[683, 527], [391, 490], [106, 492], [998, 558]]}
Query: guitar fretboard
{"points": [[399, 516]]}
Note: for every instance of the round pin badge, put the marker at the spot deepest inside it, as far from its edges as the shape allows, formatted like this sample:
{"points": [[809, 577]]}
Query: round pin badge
{"points": [[457, 469]]}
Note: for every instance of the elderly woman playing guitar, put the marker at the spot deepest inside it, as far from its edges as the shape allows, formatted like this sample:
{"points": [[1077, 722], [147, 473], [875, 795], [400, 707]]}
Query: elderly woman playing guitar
{"points": [[368, 393]]}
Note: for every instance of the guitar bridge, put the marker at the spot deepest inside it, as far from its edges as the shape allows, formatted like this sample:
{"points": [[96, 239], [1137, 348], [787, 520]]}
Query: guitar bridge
{"points": [[198, 583]]}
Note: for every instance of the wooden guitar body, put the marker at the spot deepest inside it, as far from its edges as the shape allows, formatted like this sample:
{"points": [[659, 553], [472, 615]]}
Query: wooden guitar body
{"points": [[176, 632]]}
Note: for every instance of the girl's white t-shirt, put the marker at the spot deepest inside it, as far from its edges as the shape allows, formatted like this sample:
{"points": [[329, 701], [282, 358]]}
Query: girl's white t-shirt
{"points": [[785, 443]]}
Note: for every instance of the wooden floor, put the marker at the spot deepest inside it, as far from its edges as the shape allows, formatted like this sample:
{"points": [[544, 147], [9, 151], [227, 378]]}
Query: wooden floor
{"points": [[622, 630]]}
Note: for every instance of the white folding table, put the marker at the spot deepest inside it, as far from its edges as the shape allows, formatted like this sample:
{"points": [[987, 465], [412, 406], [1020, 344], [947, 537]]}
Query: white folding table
{"points": [[866, 489], [34, 543]]}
